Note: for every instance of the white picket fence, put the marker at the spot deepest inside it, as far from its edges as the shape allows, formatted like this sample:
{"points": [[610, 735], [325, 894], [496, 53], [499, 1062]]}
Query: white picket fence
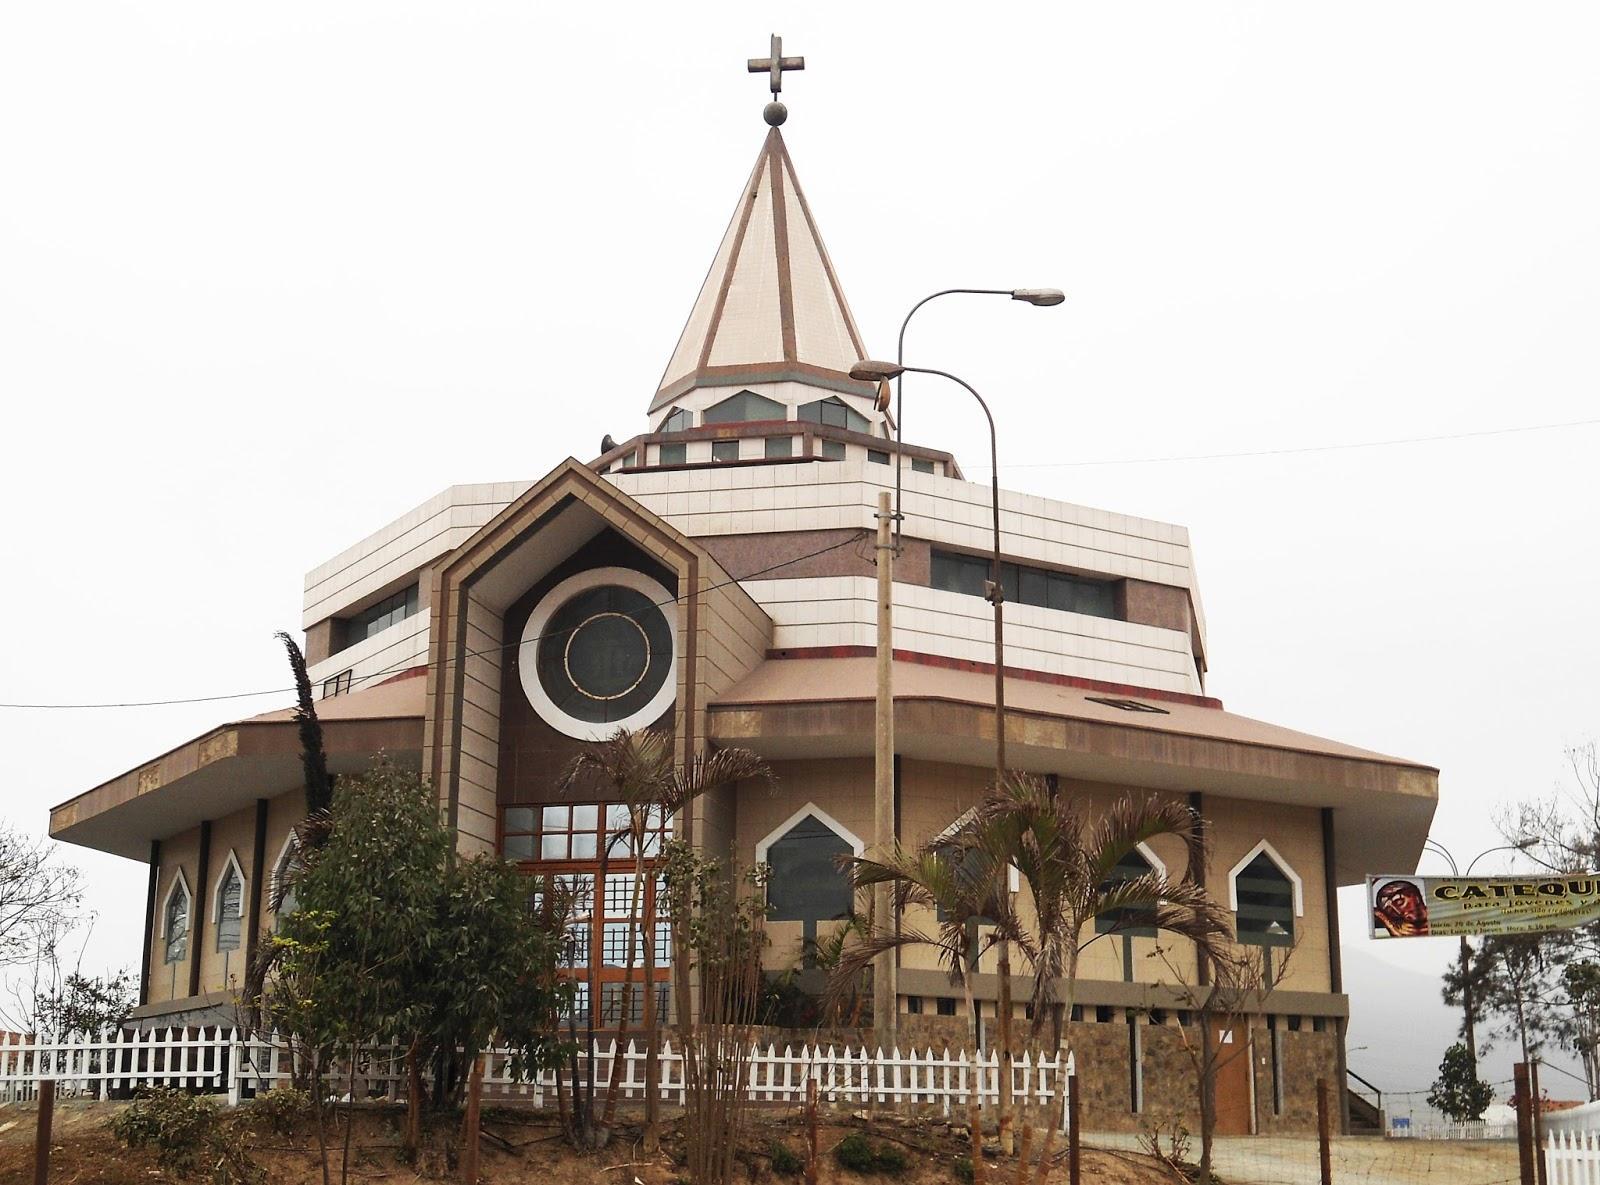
{"points": [[1573, 1157], [224, 1061]]}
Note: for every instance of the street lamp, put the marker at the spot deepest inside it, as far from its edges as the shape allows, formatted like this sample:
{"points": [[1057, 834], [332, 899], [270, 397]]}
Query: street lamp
{"points": [[1038, 297], [1433, 845], [869, 371]]}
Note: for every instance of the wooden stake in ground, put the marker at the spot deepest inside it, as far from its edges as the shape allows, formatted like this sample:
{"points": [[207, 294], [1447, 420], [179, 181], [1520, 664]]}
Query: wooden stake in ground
{"points": [[1074, 1147], [471, 1125], [811, 1130], [1324, 1132], [1525, 1104], [41, 1138]]}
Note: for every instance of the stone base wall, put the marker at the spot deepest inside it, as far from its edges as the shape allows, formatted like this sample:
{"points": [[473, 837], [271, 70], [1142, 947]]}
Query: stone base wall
{"points": [[1167, 1089]]}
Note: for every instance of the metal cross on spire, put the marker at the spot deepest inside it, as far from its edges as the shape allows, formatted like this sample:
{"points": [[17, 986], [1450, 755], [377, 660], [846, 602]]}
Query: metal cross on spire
{"points": [[774, 66]]}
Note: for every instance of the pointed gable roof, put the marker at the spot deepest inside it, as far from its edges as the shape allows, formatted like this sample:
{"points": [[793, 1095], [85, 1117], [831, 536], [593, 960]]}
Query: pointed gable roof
{"points": [[771, 307]]}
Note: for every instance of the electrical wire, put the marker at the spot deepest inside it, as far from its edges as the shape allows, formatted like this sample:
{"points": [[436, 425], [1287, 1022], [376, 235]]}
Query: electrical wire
{"points": [[1301, 449], [407, 664]]}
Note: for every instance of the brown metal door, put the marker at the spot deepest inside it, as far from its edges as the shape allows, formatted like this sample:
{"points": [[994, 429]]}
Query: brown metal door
{"points": [[1231, 1042]]}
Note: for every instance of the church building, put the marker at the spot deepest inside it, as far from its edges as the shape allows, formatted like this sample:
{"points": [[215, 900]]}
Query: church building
{"points": [[714, 575]]}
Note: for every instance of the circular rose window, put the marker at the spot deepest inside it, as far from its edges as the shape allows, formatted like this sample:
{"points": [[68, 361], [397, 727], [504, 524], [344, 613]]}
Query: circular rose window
{"points": [[597, 653]]}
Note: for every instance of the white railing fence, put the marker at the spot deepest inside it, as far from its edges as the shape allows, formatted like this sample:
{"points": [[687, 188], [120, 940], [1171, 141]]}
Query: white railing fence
{"points": [[1572, 1157], [1574, 1119], [1477, 1130], [224, 1061]]}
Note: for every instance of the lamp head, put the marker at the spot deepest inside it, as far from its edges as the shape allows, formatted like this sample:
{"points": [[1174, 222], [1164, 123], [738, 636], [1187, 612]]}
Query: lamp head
{"points": [[870, 371], [1043, 297]]}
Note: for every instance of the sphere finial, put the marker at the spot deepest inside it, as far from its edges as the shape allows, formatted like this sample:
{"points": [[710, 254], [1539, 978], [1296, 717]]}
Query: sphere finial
{"points": [[775, 113]]}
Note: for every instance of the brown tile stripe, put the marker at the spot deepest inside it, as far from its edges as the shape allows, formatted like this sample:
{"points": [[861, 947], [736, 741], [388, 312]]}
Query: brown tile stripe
{"points": [[987, 668], [780, 240]]}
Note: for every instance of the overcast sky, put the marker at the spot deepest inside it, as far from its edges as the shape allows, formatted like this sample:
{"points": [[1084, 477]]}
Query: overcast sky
{"points": [[270, 276]]}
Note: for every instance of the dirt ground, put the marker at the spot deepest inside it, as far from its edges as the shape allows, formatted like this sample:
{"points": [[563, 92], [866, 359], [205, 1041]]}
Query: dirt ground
{"points": [[1356, 1160], [529, 1149]]}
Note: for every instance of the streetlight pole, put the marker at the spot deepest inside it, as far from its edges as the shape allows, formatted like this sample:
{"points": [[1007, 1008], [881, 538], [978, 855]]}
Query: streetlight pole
{"points": [[871, 372], [880, 372], [1468, 1010], [1038, 297]]}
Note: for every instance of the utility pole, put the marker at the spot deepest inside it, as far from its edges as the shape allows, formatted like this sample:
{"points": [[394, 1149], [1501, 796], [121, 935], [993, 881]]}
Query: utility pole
{"points": [[885, 996]]}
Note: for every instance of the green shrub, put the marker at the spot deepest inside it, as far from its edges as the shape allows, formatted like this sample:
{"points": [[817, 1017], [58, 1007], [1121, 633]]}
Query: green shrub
{"points": [[188, 1133], [963, 1169], [283, 1109], [858, 1154], [784, 1162]]}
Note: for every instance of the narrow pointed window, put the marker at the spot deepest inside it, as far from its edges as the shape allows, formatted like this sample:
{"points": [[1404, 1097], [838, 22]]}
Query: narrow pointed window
{"points": [[177, 924], [230, 909]]}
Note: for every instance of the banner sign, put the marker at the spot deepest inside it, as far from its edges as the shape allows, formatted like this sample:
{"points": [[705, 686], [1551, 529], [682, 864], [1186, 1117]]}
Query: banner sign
{"points": [[1406, 906]]}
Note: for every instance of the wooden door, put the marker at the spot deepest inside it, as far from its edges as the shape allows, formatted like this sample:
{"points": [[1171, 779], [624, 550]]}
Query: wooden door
{"points": [[1231, 1041]]}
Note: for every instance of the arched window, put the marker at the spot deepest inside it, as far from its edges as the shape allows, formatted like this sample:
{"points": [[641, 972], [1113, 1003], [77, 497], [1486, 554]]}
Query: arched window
{"points": [[806, 884], [1266, 897], [679, 419], [175, 921], [282, 881], [228, 908], [744, 406], [834, 412], [1139, 923]]}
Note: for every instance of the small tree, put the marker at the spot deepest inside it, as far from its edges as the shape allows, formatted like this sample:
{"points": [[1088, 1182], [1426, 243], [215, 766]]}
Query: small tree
{"points": [[39, 897], [638, 769], [1457, 1093], [1238, 985], [395, 935], [723, 940]]}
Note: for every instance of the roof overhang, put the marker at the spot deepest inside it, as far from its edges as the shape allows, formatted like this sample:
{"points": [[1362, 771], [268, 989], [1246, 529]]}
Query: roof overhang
{"points": [[230, 767], [1382, 806]]}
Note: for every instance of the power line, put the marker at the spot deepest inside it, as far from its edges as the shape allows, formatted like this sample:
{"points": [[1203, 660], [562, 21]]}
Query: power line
{"points": [[407, 664], [1299, 449]]}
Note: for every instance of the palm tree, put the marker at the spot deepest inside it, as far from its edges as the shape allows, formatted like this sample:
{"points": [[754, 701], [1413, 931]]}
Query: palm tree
{"points": [[638, 770], [990, 847], [1066, 855], [958, 888]]}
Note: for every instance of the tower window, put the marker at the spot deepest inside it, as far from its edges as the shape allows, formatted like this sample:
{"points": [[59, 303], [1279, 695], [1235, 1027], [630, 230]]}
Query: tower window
{"points": [[679, 419], [921, 465], [376, 618], [833, 413], [724, 450], [674, 454], [955, 572], [832, 450], [780, 446], [877, 456], [742, 408]]}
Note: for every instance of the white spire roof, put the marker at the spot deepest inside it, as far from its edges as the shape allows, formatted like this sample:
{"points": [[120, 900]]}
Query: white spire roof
{"points": [[771, 307]]}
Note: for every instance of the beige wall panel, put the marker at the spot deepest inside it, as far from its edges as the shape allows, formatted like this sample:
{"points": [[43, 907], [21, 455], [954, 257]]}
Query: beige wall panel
{"points": [[1296, 834]]}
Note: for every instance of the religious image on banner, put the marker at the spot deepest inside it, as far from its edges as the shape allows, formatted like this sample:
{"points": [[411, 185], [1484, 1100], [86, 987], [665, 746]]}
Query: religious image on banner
{"points": [[1405, 906]]}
